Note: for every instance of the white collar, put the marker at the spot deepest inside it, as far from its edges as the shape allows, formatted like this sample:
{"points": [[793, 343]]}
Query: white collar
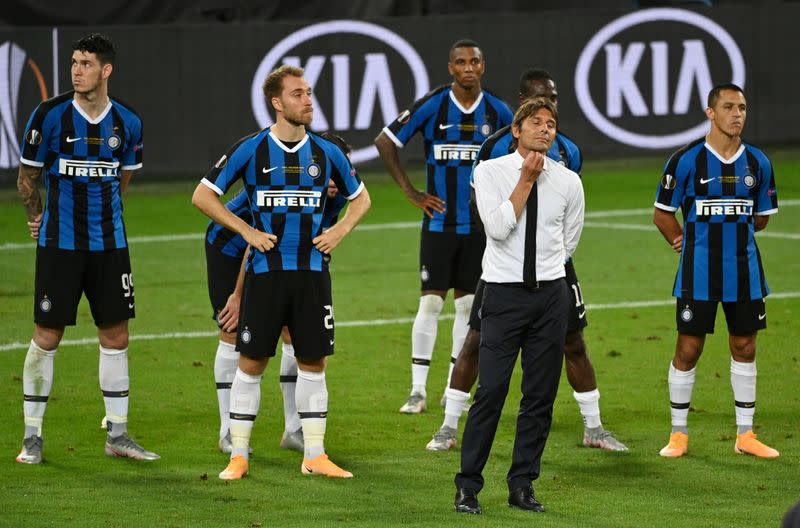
{"points": [[729, 160], [96, 120], [284, 147], [466, 110]]}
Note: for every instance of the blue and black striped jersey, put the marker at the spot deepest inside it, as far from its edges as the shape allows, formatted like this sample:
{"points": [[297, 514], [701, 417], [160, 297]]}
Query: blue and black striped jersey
{"points": [[564, 150], [226, 241], [82, 159], [718, 198], [232, 244], [452, 134], [287, 193]]}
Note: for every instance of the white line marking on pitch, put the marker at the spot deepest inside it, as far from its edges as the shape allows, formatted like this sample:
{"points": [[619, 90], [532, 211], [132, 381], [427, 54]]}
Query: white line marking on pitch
{"points": [[11, 246], [363, 323]]}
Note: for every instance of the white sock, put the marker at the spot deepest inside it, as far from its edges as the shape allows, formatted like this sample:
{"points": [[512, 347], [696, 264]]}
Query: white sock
{"points": [[743, 381], [456, 402], [423, 338], [37, 380], [312, 406], [245, 400], [225, 363], [115, 384], [680, 396], [288, 388], [589, 404], [460, 328]]}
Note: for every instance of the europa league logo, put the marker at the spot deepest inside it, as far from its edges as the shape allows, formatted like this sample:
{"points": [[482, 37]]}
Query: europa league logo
{"points": [[12, 61]]}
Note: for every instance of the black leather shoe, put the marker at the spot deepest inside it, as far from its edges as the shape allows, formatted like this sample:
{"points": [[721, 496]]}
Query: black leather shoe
{"points": [[467, 501], [524, 499]]}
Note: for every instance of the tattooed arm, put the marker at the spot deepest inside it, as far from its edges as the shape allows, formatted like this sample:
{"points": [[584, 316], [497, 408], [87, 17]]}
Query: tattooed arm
{"points": [[27, 185]]}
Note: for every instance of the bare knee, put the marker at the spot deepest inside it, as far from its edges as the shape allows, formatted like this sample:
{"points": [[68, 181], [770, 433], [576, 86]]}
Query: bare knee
{"points": [[227, 337], [687, 351], [743, 348], [47, 338], [311, 365], [113, 335], [251, 366]]}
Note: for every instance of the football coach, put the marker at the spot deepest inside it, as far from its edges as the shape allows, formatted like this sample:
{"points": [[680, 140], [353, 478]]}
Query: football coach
{"points": [[532, 211]]}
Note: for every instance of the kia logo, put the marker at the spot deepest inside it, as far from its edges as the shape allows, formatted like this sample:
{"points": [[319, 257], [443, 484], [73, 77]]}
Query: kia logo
{"points": [[669, 95], [374, 90]]}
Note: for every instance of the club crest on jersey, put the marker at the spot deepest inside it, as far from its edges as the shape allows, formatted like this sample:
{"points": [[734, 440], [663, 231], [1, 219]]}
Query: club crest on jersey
{"points": [[668, 182], [246, 336], [424, 275], [45, 305], [114, 142], [404, 117], [686, 314], [222, 162], [749, 180], [314, 170], [486, 129], [34, 137]]}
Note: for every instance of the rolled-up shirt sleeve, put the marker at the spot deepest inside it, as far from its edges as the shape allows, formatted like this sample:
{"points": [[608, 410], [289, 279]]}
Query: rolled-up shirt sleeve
{"points": [[495, 209], [573, 218]]}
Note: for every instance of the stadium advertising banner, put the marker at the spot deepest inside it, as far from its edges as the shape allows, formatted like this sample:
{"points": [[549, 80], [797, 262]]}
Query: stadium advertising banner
{"points": [[629, 82]]}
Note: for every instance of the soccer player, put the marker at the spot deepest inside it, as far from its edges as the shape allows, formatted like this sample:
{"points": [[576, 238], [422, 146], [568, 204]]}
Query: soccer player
{"points": [[454, 120], [580, 372], [88, 144], [225, 253], [285, 170], [725, 189]]}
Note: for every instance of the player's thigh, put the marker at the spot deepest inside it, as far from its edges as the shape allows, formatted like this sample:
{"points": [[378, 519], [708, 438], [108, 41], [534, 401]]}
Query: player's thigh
{"points": [[467, 265], [59, 285], [262, 314], [695, 317], [222, 271], [576, 309], [437, 253], [311, 317], [745, 317], [109, 286]]}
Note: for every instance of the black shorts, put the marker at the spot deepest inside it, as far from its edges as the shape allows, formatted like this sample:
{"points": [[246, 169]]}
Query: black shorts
{"points": [[222, 271], [450, 261], [697, 317], [300, 300], [576, 313], [63, 275], [576, 318]]}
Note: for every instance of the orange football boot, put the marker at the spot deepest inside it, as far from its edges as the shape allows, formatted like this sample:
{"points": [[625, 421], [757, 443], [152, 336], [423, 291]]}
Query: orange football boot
{"points": [[323, 466], [677, 446], [746, 444]]}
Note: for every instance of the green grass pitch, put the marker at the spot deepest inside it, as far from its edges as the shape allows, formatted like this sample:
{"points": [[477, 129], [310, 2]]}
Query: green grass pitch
{"points": [[621, 260]]}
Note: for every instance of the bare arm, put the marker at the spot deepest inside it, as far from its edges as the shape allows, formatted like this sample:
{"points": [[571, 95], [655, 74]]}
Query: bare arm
{"points": [[670, 228], [356, 209], [124, 180], [208, 202], [388, 152], [761, 222], [27, 185]]}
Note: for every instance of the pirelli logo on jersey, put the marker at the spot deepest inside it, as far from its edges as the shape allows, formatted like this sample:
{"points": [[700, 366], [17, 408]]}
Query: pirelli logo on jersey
{"points": [[91, 169], [724, 207], [286, 198], [447, 152]]}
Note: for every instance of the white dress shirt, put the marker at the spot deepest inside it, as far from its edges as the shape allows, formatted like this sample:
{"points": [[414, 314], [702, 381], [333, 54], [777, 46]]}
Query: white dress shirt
{"points": [[559, 218]]}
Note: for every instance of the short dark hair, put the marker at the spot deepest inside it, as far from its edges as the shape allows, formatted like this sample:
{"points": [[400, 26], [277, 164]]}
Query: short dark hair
{"points": [[714, 94], [98, 44], [533, 75], [463, 43], [339, 141], [273, 84]]}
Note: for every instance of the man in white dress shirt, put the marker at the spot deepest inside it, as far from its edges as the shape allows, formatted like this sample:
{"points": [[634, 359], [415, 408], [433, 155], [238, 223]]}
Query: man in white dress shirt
{"points": [[532, 211]]}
